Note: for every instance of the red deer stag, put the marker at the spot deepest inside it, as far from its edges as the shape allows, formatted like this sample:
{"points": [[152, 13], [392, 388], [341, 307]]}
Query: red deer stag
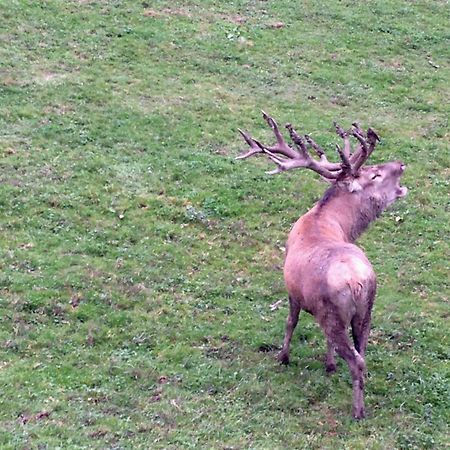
{"points": [[325, 273]]}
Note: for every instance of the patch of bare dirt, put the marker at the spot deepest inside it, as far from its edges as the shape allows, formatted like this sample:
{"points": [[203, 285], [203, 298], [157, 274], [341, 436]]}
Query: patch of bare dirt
{"points": [[180, 12], [190, 13]]}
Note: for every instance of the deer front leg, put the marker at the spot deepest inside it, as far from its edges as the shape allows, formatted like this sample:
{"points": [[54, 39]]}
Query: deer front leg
{"points": [[292, 320]]}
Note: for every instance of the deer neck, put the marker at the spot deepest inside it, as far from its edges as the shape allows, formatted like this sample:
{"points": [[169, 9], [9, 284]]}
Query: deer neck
{"points": [[345, 216]]}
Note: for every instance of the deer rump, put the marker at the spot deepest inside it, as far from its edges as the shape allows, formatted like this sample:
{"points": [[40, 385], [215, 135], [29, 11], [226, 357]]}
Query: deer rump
{"points": [[335, 278], [325, 273]]}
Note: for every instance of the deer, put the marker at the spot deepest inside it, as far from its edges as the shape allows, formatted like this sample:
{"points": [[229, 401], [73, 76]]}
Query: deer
{"points": [[326, 274]]}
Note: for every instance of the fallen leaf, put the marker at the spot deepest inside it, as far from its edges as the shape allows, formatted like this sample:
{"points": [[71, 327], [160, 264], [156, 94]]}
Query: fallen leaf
{"points": [[163, 379], [265, 348], [238, 20], [42, 415], [275, 306], [277, 25], [75, 300], [151, 13], [23, 418], [26, 246], [433, 64], [90, 340]]}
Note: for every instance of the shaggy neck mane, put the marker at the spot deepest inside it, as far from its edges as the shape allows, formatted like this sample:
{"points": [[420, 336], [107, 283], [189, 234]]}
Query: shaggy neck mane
{"points": [[364, 209], [370, 209], [328, 195]]}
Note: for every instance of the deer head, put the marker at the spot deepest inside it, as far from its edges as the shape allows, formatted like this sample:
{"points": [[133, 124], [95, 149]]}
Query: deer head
{"points": [[380, 181]]}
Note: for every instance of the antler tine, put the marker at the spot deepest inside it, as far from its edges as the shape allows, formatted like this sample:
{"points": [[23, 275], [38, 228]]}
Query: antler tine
{"points": [[297, 140], [358, 129], [280, 162], [346, 165], [367, 145], [256, 146], [373, 138], [323, 168], [281, 146], [317, 148], [344, 135], [321, 154]]}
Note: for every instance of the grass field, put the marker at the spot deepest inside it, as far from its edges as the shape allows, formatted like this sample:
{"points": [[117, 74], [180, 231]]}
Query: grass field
{"points": [[139, 260]]}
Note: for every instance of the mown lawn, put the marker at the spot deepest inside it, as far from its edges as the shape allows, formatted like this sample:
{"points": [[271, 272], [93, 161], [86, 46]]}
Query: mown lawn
{"points": [[139, 260]]}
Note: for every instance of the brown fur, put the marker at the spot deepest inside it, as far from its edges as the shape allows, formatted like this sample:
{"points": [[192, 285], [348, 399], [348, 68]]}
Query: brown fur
{"points": [[327, 275]]}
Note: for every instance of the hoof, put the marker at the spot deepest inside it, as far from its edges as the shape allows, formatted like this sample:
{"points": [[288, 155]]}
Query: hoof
{"points": [[330, 368], [283, 358], [359, 415]]}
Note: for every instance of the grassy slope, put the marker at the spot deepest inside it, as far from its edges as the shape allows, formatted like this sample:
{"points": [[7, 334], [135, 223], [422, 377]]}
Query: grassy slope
{"points": [[139, 260]]}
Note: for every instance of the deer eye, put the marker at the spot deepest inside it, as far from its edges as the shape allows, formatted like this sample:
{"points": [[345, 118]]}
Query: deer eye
{"points": [[375, 175]]}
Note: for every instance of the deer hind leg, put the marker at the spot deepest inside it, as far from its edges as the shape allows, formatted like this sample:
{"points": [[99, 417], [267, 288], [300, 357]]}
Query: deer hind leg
{"points": [[292, 320], [330, 361], [339, 337], [361, 324], [360, 332]]}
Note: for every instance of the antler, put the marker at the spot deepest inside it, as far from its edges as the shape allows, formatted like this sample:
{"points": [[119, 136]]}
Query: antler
{"points": [[287, 158], [290, 158], [367, 144]]}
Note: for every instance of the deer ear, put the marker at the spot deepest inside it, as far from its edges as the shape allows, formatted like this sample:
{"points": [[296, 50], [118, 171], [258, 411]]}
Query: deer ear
{"points": [[352, 185]]}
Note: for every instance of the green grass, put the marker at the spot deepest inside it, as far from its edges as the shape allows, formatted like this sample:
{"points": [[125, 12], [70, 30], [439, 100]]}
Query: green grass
{"points": [[138, 259]]}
